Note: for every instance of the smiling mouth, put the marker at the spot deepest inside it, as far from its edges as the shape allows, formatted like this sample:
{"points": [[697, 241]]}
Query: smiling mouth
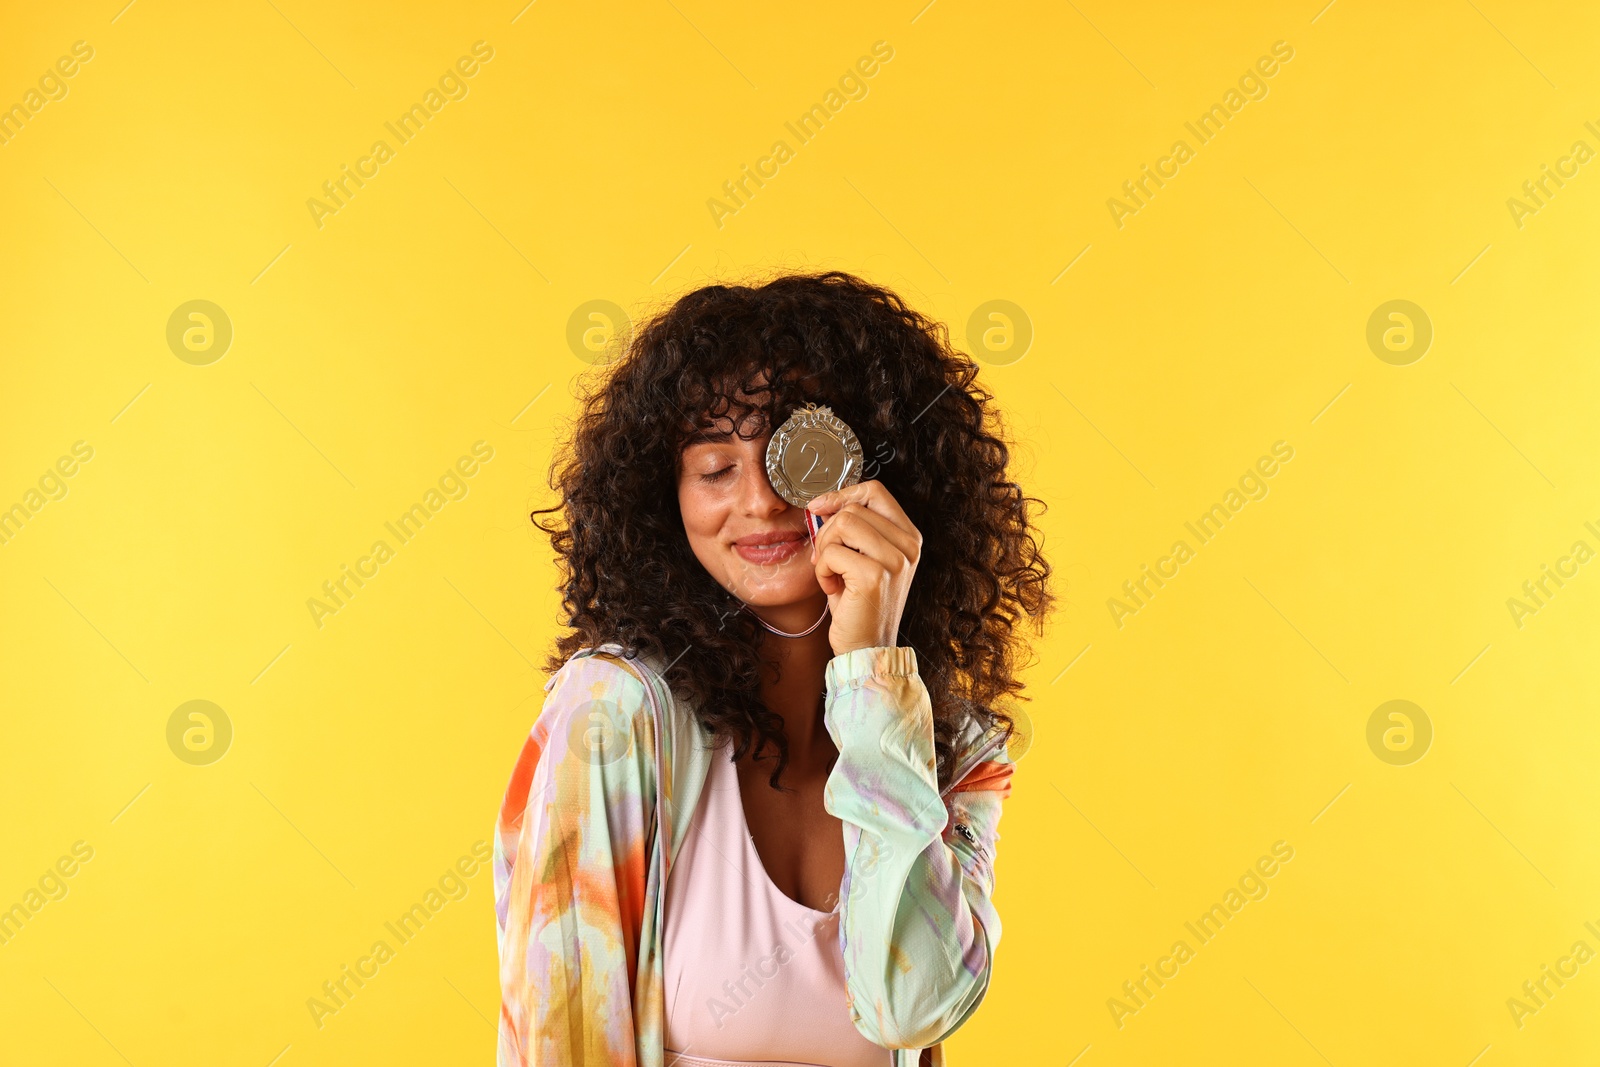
{"points": [[776, 551]]}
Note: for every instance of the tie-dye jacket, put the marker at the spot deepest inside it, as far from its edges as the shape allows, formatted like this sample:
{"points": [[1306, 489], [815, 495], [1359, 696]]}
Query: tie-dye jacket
{"points": [[598, 804]]}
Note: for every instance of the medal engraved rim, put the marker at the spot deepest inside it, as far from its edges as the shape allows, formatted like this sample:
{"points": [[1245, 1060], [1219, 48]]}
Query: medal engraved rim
{"points": [[810, 417]]}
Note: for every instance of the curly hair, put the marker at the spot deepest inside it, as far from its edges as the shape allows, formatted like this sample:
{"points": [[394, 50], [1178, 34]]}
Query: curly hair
{"points": [[929, 434]]}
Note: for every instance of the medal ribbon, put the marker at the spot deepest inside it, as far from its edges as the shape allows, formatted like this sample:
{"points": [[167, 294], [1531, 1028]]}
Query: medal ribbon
{"points": [[814, 522]]}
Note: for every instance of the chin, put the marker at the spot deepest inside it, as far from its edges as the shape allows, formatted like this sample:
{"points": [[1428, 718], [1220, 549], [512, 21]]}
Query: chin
{"points": [[776, 594], [772, 585]]}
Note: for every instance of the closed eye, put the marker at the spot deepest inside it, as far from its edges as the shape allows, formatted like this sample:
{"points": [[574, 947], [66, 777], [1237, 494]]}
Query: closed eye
{"points": [[716, 476]]}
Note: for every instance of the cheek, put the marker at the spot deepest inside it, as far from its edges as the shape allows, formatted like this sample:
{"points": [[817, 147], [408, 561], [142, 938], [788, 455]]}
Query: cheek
{"points": [[703, 513]]}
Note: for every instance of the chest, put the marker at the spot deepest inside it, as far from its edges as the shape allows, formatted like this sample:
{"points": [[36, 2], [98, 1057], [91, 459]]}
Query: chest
{"points": [[801, 846]]}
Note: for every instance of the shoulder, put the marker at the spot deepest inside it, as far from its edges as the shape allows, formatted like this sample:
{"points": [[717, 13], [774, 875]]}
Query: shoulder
{"points": [[595, 708], [587, 770], [596, 676], [596, 704], [595, 737]]}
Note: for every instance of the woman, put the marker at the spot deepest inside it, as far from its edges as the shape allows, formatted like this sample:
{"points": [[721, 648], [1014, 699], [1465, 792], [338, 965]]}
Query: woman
{"points": [[736, 835]]}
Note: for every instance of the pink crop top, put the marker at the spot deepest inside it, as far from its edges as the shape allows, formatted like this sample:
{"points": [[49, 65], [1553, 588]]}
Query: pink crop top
{"points": [[753, 978]]}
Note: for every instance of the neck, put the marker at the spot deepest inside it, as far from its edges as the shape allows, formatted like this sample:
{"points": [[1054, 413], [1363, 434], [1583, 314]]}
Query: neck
{"points": [[793, 680]]}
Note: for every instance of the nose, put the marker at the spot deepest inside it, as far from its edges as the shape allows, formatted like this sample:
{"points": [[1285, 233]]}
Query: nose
{"points": [[757, 495]]}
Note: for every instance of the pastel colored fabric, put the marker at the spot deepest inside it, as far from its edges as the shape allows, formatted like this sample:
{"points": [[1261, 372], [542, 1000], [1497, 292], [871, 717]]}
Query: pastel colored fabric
{"points": [[600, 801], [742, 960]]}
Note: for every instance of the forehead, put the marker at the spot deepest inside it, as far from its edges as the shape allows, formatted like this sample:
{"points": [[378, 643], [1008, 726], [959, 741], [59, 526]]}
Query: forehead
{"points": [[720, 428], [718, 422]]}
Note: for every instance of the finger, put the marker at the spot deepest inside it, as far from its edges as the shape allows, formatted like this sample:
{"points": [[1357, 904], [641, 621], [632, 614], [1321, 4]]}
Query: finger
{"points": [[832, 585], [870, 494], [871, 535], [840, 568]]}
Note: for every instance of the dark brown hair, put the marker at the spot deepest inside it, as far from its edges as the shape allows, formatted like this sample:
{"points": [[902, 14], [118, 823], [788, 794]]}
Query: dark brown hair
{"points": [[928, 432]]}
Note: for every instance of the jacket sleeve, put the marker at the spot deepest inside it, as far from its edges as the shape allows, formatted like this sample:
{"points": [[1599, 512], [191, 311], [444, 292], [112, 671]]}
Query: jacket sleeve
{"points": [[570, 853], [918, 927]]}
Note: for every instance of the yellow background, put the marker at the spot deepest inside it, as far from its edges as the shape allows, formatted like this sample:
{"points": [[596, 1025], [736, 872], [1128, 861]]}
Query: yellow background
{"points": [[431, 312]]}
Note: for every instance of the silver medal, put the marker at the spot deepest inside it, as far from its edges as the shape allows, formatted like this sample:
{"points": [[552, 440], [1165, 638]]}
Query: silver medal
{"points": [[812, 453]]}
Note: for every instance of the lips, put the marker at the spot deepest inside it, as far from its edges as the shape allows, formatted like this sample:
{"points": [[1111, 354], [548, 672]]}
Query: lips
{"points": [[770, 546]]}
